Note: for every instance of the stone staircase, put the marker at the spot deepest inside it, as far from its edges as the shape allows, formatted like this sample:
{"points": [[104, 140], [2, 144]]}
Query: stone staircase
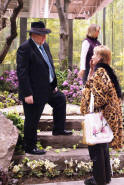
{"points": [[61, 148]]}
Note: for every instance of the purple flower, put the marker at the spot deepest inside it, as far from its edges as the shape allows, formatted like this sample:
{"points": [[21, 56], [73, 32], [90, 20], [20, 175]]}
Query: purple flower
{"points": [[1, 78], [65, 92], [75, 71], [103, 130], [65, 83], [70, 93], [80, 82], [74, 95], [8, 80], [94, 131], [71, 87]]}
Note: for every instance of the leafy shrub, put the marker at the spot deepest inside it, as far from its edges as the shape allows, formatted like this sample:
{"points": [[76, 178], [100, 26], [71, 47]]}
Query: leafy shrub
{"points": [[119, 69], [3, 177], [8, 99], [9, 81], [19, 123], [72, 86], [61, 77]]}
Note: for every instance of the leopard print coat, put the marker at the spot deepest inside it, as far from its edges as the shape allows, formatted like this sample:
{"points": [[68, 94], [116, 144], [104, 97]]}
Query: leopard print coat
{"points": [[106, 100]]}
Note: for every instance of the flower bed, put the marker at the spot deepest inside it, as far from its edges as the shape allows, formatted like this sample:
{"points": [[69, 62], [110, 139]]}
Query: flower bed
{"points": [[47, 170], [72, 87], [9, 81]]}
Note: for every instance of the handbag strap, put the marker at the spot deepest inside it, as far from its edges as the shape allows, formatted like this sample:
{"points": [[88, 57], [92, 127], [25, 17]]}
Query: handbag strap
{"points": [[91, 106]]}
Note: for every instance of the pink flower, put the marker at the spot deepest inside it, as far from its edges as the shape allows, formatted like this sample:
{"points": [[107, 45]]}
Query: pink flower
{"points": [[65, 83], [80, 82], [103, 130], [74, 95], [75, 71], [94, 131], [65, 92]]}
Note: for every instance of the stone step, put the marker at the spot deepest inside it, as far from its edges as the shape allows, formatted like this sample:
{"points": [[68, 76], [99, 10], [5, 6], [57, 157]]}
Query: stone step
{"points": [[58, 158], [70, 109], [72, 141], [72, 122]]}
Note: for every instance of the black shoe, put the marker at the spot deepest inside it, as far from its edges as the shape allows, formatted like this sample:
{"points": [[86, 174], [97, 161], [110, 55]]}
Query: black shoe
{"points": [[35, 151], [108, 181], [63, 132], [90, 181]]}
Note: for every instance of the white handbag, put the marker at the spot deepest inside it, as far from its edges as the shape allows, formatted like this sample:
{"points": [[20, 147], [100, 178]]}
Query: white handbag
{"points": [[96, 130]]}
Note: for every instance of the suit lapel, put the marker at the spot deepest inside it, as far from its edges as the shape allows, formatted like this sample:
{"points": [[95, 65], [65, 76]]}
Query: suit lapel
{"points": [[39, 53], [36, 49]]}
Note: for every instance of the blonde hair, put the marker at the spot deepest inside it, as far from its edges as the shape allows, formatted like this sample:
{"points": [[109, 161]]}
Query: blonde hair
{"points": [[93, 28], [104, 52]]}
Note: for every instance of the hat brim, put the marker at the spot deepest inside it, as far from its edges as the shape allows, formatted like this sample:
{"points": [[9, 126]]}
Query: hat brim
{"points": [[40, 32]]}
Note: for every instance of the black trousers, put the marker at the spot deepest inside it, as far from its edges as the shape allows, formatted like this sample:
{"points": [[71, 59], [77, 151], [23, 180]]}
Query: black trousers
{"points": [[33, 113], [99, 154]]}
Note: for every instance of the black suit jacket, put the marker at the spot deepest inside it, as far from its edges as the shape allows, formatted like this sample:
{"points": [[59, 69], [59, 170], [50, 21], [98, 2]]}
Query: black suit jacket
{"points": [[33, 72]]}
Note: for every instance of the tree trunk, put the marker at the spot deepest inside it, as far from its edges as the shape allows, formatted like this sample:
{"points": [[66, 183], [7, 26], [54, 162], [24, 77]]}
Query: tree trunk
{"points": [[70, 44], [104, 20], [23, 30], [13, 32], [62, 12]]}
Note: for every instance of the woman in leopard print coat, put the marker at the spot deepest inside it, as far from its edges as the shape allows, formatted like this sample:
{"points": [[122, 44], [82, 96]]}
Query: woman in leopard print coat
{"points": [[104, 85]]}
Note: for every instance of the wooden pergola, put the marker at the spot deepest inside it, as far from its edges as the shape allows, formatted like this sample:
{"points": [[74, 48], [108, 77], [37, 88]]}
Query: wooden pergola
{"points": [[78, 9], [65, 10]]}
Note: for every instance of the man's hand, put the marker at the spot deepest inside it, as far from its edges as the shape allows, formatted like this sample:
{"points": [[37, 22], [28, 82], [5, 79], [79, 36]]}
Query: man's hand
{"points": [[29, 100], [55, 90]]}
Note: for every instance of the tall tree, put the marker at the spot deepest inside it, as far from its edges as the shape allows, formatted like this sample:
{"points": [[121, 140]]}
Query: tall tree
{"points": [[70, 44], [62, 7], [13, 32], [104, 30], [23, 29]]}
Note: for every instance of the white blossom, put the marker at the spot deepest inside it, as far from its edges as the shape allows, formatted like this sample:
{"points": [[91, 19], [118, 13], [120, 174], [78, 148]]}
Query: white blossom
{"points": [[16, 168], [49, 165], [66, 161]]}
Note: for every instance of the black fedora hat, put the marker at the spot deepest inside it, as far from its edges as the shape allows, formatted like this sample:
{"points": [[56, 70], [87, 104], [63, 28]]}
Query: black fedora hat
{"points": [[39, 28]]}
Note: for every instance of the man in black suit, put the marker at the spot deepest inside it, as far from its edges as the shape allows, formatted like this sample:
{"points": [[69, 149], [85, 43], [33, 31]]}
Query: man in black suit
{"points": [[38, 86]]}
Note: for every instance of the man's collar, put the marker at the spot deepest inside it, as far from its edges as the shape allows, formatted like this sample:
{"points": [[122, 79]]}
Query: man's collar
{"points": [[37, 43]]}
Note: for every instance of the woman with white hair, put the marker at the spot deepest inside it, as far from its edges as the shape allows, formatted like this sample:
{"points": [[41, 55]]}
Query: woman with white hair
{"points": [[103, 83]]}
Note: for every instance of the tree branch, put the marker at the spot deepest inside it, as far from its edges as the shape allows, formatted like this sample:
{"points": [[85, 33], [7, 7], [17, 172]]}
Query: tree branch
{"points": [[13, 32], [61, 13], [5, 6]]}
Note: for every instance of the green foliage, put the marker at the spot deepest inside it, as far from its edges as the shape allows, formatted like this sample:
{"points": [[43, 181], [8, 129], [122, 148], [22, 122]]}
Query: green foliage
{"points": [[72, 87], [8, 99], [61, 77], [114, 32], [68, 172], [10, 57], [19, 123], [45, 168], [9, 81], [119, 69], [3, 177], [34, 168]]}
